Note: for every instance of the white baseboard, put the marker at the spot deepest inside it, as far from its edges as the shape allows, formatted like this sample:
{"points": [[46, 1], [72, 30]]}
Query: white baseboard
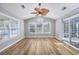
{"points": [[14, 42], [71, 46], [40, 37], [61, 39]]}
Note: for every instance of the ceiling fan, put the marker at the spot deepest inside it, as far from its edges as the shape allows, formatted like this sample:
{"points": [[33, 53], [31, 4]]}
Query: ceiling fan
{"points": [[38, 11]]}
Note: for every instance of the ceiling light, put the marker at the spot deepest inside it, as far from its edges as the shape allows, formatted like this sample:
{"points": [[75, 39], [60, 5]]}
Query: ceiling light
{"points": [[64, 8], [22, 6]]}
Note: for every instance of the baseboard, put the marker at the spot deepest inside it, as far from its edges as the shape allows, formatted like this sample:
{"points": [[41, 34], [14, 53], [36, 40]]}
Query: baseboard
{"points": [[31, 37], [61, 39], [17, 40], [71, 45]]}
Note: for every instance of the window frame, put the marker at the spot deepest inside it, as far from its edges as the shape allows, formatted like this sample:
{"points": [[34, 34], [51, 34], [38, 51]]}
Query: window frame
{"points": [[42, 32]]}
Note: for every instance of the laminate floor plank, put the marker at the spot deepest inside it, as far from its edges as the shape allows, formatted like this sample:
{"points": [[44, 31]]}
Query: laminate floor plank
{"points": [[40, 46]]}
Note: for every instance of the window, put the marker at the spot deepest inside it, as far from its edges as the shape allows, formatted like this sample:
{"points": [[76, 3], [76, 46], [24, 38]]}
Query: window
{"points": [[13, 29], [73, 30], [32, 27], [46, 28], [66, 29], [39, 27], [8, 29], [78, 30]]}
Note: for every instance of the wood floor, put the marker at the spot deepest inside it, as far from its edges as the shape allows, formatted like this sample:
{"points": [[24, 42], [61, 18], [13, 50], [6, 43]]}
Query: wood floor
{"points": [[40, 47]]}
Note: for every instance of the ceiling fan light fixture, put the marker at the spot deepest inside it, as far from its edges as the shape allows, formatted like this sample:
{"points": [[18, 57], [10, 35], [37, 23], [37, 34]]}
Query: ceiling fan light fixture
{"points": [[40, 11]]}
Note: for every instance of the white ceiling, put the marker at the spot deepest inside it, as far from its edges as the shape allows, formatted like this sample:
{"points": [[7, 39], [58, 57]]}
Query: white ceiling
{"points": [[55, 9]]}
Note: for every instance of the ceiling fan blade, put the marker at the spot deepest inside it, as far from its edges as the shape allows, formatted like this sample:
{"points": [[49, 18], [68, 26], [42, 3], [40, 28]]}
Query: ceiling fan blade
{"points": [[33, 12]]}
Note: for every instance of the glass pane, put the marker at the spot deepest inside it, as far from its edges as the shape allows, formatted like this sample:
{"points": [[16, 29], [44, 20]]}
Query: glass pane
{"points": [[13, 29], [4, 32], [46, 27], [66, 29], [8, 29], [39, 28], [32, 28], [73, 30], [78, 30]]}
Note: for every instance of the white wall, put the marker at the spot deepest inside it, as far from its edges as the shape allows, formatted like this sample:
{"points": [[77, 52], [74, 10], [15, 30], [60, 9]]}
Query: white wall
{"points": [[21, 28], [59, 28], [34, 19]]}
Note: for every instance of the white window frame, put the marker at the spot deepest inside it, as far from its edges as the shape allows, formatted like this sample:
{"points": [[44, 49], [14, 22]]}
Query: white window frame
{"points": [[68, 19], [42, 28], [29, 28]]}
